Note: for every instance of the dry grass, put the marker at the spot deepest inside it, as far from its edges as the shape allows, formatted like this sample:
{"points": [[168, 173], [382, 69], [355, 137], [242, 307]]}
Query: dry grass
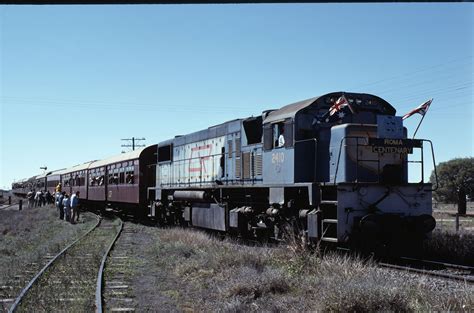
{"points": [[215, 275], [29, 234], [447, 244], [451, 246]]}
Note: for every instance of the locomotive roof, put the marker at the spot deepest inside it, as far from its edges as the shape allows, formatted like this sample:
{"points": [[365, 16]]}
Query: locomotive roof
{"points": [[290, 110]]}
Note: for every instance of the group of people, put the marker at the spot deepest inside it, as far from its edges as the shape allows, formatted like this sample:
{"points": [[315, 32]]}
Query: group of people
{"points": [[38, 198], [68, 205]]}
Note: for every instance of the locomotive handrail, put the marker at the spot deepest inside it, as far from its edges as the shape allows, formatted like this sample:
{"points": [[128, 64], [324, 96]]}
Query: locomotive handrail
{"points": [[339, 155], [434, 163], [378, 160]]}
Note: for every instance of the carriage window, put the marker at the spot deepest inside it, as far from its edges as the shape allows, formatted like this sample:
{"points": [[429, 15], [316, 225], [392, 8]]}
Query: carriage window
{"points": [[129, 175], [122, 176], [92, 180], [101, 178], [115, 176]]}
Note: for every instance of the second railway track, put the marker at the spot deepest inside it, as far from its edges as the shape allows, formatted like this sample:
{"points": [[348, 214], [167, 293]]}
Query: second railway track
{"points": [[432, 268], [69, 282]]}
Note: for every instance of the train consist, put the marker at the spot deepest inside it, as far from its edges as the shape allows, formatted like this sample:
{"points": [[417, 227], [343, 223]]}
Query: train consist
{"points": [[330, 169]]}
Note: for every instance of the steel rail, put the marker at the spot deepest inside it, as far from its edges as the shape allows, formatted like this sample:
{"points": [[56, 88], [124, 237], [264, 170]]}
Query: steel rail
{"points": [[34, 279], [449, 265], [469, 279], [98, 291]]}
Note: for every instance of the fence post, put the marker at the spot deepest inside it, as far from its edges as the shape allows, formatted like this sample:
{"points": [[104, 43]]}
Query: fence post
{"points": [[20, 205], [457, 222], [9, 200]]}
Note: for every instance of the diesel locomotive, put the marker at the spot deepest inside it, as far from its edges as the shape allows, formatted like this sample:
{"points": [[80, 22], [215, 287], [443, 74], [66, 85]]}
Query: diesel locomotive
{"points": [[329, 169]]}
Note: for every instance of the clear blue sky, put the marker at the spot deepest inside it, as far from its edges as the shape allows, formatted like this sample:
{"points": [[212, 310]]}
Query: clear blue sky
{"points": [[76, 79]]}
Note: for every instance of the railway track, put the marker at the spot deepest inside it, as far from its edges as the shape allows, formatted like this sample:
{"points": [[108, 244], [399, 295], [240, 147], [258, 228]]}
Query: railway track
{"points": [[72, 279], [432, 268], [118, 293]]}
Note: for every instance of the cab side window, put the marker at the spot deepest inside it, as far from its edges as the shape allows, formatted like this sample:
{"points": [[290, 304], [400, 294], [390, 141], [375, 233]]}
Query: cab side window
{"points": [[278, 135]]}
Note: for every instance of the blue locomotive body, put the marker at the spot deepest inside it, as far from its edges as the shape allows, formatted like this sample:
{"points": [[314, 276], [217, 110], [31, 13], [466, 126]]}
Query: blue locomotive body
{"points": [[335, 174]]}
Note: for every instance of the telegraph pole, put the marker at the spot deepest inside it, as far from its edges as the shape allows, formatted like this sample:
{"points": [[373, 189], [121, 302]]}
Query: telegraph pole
{"points": [[133, 145]]}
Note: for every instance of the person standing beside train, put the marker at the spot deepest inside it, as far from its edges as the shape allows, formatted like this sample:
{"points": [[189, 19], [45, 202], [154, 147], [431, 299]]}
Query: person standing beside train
{"points": [[31, 198], [75, 207], [59, 204], [67, 206], [38, 198]]}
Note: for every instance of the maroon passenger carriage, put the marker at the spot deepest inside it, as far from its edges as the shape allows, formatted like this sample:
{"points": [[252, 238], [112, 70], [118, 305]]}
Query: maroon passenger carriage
{"points": [[53, 179], [23, 186], [74, 179], [121, 182]]}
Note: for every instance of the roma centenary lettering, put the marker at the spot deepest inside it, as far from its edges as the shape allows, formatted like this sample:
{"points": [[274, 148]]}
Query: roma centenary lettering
{"points": [[399, 150], [393, 142], [400, 146]]}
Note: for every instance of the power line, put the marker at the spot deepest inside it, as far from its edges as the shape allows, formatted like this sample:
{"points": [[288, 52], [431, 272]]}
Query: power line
{"points": [[133, 145]]}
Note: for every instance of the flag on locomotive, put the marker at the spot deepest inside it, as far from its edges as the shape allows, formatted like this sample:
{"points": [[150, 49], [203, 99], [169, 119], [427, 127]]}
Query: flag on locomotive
{"points": [[338, 107], [421, 109]]}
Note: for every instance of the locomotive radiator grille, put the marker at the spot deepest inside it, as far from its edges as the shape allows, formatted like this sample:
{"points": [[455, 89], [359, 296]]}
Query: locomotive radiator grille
{"points": [[238, 166], [230, 149], [246, 165], [237, 147], [257, 164]]}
